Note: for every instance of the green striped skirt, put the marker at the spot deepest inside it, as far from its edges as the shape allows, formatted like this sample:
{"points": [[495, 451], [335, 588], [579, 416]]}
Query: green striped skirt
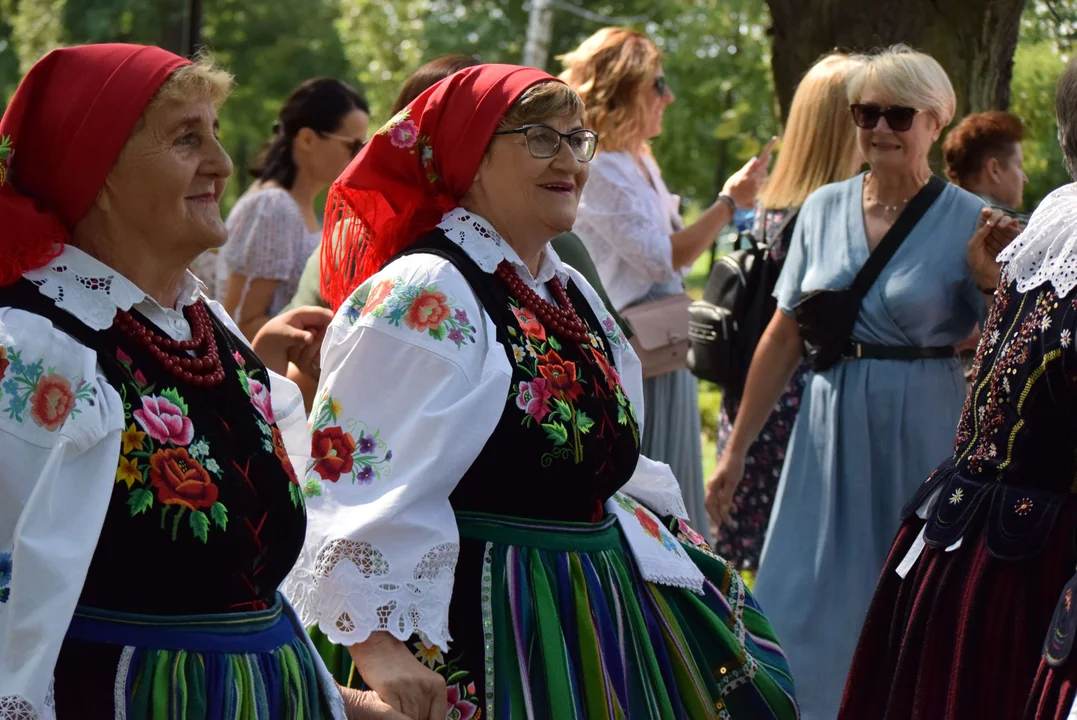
{"points": [[233, 666], [552, 620]]}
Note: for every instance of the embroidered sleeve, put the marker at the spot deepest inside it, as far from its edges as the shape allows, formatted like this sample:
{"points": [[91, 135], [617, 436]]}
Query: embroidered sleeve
{"points": [[264, 231], [615, 216], [60, 427], [652, 483], [412, 387]]}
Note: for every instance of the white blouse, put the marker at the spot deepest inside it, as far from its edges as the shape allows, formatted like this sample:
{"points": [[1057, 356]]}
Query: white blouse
{"points": [[267, 239], [60, 427], [413, 384], [625, 222]]}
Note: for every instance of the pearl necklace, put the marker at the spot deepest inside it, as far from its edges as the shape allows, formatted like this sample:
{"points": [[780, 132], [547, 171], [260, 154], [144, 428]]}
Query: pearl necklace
{"points": [[891, 209]]}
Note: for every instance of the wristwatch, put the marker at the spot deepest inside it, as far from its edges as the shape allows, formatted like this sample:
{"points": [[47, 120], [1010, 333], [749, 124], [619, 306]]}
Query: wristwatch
{"points": [[728, 201]]}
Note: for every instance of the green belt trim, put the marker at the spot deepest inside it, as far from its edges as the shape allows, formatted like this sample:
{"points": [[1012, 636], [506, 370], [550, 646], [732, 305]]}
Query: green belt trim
{"points": [[540, 534]]}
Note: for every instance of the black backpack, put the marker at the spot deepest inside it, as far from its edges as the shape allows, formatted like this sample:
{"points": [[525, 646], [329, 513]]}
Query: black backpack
{"points": [[725, 326]]}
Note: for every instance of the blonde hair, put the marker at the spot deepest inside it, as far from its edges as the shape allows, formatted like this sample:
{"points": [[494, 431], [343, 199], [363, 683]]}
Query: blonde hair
{"points": [[201, 79], [911, 78], [541, 102], [820, 138], [610, 70]]}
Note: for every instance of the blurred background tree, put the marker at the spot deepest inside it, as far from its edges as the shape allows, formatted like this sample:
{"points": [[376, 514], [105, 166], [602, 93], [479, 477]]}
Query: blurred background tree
{"points": [[718, 58]]}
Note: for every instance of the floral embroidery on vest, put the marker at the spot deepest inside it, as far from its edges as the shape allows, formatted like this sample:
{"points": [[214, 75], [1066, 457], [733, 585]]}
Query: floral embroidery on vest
{"points": [[547, 398], [647, 522], [418, 307], [164, 462], [272, 441], [335, 451], [51, 397]]}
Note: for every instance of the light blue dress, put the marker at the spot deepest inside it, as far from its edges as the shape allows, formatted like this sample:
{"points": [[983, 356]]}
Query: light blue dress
{"points": [[869, 431]]}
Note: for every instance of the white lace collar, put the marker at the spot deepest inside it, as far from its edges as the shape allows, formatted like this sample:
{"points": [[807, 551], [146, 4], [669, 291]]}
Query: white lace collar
{"points": [[1047, 249], [92, 291], [487, 248]]}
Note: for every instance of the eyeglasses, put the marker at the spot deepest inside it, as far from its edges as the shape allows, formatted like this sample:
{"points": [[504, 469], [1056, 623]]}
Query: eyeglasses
{"points": [[545, 142], [898, 118], [661, 87], [354, 145]]}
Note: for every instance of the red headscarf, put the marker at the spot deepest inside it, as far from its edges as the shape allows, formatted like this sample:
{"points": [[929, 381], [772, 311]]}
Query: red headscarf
{"points": [[59, 138], [414, 170]]}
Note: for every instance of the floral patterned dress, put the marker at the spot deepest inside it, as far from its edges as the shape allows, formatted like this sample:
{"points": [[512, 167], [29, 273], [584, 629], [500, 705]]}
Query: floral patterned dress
{"points": [[741, 540]]}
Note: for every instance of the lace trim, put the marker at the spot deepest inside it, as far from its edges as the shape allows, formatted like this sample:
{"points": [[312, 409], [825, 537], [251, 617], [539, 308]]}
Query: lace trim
{"points": [[91, 291], [119, 694], [14, 707], [1047, 250], [352, 591], [488, 627], [487, 248]]}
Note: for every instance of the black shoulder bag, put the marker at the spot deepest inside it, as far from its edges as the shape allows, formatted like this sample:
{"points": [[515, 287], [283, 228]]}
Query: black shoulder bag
{"points": [[826, 317]]}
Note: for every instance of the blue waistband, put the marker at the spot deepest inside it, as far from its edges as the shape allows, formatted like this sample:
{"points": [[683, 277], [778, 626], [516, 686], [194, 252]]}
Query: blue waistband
{"points": [[247, 632]]}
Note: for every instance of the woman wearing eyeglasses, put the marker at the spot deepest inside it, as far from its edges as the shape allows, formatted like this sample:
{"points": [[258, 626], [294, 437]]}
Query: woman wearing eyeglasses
{"points": [[875, 424], [631, 225], [274, 227], [476, 541]]}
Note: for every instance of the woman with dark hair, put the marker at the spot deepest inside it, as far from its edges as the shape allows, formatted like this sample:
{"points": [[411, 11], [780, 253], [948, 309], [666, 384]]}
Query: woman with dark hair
{"points": [[274, 228]]}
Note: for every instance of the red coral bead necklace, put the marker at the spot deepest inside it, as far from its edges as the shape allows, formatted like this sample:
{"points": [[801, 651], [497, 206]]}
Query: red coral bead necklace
{"points": [[203, 369], [562, 320]]}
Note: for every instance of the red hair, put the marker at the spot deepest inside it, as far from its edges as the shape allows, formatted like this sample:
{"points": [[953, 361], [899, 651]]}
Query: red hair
{"points": [[978, 137]]}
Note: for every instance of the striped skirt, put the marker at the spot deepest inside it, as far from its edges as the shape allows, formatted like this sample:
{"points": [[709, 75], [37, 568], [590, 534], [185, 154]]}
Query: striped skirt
{"points": [[552, 620], [235, 666]]}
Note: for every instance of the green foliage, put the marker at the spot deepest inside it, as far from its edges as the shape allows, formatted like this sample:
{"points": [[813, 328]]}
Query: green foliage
{"points": [[1036, 70]]}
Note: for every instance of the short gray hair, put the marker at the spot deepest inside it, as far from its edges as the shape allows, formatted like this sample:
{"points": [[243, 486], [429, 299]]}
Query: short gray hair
{"points": [[912, 78], [1066, 112]]}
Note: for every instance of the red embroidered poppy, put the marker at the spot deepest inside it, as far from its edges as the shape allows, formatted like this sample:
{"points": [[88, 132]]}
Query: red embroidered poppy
{"points": [[52, 401], [530, 324], [561, 376], [332, 451]]}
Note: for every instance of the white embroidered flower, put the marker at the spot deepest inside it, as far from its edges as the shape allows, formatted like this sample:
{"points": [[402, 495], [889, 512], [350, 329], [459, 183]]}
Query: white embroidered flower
{"points": [[992, 451], [518, 353], [1066, 338], [1006, 385], [267, 445], [213, 467], [199, 450], [993, 339], [981, 411], [957, 496], [1046, 324]]}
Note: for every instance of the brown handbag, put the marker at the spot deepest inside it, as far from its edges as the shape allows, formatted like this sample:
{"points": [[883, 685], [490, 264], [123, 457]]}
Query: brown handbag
{"points": [[660, 330]]}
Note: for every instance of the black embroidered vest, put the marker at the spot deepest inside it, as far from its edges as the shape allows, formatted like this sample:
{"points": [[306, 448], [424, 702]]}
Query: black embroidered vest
{"points": [[206, 513], [568, 437]]}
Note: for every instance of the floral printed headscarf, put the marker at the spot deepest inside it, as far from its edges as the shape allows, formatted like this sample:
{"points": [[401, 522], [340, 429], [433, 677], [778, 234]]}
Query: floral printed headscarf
{"points": [[59, 138], [414, 170]]}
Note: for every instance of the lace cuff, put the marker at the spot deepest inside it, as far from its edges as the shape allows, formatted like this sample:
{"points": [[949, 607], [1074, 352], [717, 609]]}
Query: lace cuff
{"points": [[16, 707], [353, 591]]}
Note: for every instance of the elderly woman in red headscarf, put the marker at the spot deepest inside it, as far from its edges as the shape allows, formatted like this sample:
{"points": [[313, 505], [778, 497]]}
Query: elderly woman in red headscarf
{"points": [[148, 506], [481, 522]]}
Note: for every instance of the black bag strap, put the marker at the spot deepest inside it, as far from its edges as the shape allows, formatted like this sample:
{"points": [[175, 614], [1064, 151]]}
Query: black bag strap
{"points": [[896, 235]]}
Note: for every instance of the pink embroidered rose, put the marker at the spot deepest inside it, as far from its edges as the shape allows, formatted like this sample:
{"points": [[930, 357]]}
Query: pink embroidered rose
{"points": [[123, 357], [460, 708], [260, 400], [533, 397], [164, 421], [404, 134], [139, 378]]}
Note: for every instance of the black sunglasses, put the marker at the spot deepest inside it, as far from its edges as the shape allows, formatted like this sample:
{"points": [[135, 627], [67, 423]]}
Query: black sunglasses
{"points": [[544, 142], [898, 117], [354, 145], [661, 87]]}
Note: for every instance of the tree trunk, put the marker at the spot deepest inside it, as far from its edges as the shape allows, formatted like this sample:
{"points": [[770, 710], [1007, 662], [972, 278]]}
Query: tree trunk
{"points": [[974, 40]]}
